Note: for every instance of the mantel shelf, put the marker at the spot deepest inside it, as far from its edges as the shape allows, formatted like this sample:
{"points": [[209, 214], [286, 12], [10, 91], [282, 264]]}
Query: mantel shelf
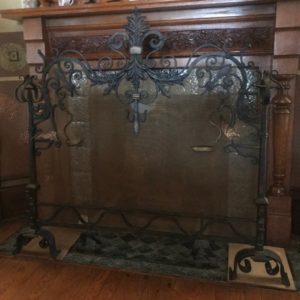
{"points": [[121, 8]]}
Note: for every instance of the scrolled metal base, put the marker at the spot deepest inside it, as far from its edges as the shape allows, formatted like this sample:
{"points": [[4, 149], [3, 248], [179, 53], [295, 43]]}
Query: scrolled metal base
{"points": [[244, 258], [48, 241]]}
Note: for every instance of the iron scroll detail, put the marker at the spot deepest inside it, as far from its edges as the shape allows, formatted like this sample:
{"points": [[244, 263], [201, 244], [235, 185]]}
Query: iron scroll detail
{"points": [[137, 48], [39, 111], [218, 72]]}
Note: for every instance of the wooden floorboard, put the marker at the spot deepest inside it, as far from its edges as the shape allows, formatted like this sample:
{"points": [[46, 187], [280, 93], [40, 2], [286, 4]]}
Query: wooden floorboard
{"points": [[24, 278], [7, 229]]}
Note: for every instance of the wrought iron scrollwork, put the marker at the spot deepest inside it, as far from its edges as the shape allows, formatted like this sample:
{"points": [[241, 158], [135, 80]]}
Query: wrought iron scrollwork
{"points": [[40, 110], [218, 72], [259, 254], [272, 263], [237, 86], [206, 222]]}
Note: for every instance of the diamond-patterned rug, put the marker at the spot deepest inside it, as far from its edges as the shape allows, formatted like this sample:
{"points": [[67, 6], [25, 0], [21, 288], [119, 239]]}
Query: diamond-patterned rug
{"points": [[153, 252], [160, 253]]}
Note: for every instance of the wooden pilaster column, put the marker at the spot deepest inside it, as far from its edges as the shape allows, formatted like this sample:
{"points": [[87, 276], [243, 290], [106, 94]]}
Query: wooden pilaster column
{"points": [[279, 210]]}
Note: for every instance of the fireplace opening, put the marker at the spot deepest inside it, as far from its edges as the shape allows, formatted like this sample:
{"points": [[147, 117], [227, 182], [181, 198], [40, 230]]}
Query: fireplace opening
{"points": [[191, 169]]}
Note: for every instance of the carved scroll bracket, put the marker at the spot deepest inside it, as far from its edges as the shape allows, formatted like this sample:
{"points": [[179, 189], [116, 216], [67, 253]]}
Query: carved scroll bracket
{"points": [[281, 124]]}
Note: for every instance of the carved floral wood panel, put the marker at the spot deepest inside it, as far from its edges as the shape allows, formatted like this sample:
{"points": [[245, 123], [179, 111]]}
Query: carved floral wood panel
{"points": [[254, 39]]}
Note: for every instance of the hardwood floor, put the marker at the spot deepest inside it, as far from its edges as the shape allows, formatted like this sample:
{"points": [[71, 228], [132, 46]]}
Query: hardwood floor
{"points": [[7, 229], [23, 278], [29, 278]]}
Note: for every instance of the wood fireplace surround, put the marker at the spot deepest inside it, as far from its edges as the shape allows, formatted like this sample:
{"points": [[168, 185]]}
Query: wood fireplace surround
{"points": [[186, 24]]}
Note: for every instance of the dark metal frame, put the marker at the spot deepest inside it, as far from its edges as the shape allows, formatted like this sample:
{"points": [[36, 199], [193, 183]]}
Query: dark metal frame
{"points": [[244, 258], [217, 69]]}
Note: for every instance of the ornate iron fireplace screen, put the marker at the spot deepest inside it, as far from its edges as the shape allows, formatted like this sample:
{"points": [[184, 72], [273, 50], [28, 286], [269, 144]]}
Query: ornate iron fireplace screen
{"points": [[218, 71]]}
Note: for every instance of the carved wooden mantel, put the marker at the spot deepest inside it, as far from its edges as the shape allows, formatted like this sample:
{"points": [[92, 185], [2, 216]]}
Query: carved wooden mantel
{"points": [[186, 25]]}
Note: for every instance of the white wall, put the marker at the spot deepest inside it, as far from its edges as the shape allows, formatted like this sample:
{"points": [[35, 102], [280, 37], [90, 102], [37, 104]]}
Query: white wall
{"points": [[9, 25]]}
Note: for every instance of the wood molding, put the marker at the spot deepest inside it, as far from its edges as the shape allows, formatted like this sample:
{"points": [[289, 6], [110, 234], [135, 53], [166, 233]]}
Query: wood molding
{"points": [[284, 29], [117, 8], [13, 182], [242, 20]]}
